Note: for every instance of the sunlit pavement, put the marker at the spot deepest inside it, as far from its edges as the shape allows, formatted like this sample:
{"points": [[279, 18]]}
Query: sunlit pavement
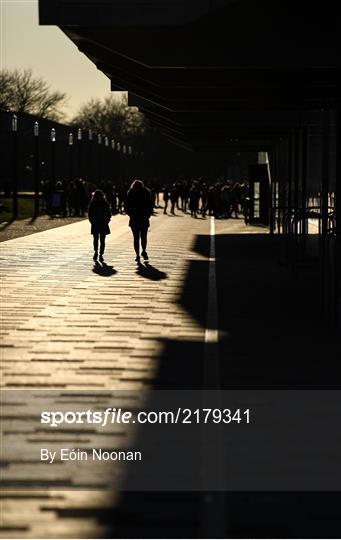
{"points": [[24, 227], [71, 324], [68, 323]]}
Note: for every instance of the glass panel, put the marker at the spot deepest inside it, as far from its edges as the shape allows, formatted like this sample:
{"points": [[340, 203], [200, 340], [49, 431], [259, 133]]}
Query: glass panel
{"points": [[256, 201]]}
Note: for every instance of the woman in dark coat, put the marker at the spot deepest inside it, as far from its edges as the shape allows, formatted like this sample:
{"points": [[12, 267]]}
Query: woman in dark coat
{"points": [[99, 215], [139, 207]]}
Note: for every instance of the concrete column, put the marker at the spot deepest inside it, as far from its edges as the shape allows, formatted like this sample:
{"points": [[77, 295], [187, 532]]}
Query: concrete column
{"points": [[296, 164], [304, 173], [324, 244], [290, 169], [337, 256]]}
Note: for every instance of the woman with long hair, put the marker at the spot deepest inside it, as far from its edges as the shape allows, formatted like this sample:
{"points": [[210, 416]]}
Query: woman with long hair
{"points": [[139, 207], [99, 214]]}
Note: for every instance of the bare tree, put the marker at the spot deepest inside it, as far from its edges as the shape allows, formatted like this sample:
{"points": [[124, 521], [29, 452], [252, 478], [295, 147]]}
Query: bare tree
{"points": [[5, 90], [112, 117], [22, 92]]}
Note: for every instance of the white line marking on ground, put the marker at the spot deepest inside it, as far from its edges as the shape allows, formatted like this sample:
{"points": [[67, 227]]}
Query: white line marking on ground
{"points": [[213, 516], [211, 359]]}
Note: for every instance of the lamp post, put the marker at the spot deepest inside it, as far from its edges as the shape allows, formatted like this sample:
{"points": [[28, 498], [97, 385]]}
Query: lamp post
{"points": [[79, 151], [124, 161], [53, 156], [131, 161], [106, 157], [112, 155], [119, 164], [89, 173], [36, 169], [71, 156], [15, 166], [99, 153], [142, 162]]}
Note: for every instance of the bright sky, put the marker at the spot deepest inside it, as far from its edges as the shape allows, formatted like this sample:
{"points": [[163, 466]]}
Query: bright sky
{"points": [[49, 53]]}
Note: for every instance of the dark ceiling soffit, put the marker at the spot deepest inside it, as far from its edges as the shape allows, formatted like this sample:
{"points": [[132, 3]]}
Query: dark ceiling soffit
{"points": [[249, 98], [124, 12], [190, 57]]}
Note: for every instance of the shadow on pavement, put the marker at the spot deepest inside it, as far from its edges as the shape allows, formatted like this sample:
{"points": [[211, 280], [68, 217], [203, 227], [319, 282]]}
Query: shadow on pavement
{"points": [[276, 337], [271, 337], [103, 269], [148, 271]]}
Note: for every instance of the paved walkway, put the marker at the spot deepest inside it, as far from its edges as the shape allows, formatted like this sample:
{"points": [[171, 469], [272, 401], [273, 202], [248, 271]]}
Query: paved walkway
{"points": [[69, 324], [24, 227]]}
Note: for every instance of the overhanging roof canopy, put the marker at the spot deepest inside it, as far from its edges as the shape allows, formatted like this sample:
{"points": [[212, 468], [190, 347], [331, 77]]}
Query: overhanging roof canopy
{"points": [[206, 71]]}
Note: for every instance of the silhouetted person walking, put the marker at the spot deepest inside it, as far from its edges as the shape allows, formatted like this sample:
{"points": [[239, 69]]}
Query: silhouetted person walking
{"points": [[139, 208], [165, 198], [194, 197], [99, 214], [174, 197]]}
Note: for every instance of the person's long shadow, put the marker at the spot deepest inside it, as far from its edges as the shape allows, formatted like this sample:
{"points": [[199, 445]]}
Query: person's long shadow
{"points": [[148, 271], [104, 269]]}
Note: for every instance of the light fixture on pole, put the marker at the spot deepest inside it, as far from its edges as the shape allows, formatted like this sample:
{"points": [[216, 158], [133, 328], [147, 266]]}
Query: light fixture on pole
{"points": [[106, 156], [99, 158], [15, 165], [89, 171], [70, 140], [14, 123], [79, 149], [36, 169], [53, 155]]}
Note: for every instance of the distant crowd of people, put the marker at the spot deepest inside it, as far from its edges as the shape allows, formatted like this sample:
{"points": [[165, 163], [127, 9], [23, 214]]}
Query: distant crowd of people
{"points": [[66, 199], [221, 199]]}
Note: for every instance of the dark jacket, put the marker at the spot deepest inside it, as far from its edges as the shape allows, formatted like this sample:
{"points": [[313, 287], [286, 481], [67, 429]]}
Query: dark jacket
{"points": [[139, 207], [99, 215]]}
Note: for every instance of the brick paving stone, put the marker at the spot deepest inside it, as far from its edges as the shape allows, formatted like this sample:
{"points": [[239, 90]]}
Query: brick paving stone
{"points": [[66, 326]]}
